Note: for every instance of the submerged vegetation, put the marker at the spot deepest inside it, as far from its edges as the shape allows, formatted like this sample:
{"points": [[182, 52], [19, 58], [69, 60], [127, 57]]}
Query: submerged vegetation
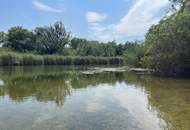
{"points": [[165, 49]]}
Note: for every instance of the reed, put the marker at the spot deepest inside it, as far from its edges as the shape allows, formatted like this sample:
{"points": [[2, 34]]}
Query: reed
{"points": [[13, 59]]}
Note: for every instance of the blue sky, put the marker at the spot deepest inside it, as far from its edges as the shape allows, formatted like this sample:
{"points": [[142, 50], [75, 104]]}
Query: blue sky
{"points": [[103, 20]]}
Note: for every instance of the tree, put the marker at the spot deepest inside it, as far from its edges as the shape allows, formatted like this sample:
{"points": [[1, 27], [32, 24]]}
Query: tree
{"points": [[2, 38], [120, 50], [76, 43], [182, 3], [134, 52], [93, 48], [19, 39], [168, 45], [52, 40]]}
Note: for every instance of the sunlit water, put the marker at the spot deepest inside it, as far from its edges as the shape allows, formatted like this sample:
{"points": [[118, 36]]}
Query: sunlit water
{"points": [[65, 98]]}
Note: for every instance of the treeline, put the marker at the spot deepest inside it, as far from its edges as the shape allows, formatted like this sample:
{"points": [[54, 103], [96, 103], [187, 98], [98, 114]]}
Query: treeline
{"points": [[55, 40]]}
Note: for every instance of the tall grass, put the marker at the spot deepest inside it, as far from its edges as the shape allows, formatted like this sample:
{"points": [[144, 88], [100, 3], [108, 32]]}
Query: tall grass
{"points": [[13, 59]]}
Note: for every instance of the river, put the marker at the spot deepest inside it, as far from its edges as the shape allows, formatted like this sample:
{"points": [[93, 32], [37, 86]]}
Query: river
{"points": [[81, 98]]}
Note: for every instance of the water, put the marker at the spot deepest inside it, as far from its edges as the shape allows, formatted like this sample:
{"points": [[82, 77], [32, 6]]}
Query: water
{"points": [[66, 98]]}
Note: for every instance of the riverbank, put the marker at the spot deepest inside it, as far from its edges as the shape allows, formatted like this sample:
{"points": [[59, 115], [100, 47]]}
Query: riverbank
{"points": [[18, 59]]}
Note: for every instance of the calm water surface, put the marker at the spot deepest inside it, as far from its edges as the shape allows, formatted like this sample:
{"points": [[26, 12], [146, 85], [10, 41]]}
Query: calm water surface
{"points": [[66, 98]]}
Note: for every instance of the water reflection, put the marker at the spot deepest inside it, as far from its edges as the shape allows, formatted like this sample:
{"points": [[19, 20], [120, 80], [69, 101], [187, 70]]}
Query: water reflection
{"points": [[47, 86], [65, 98]]}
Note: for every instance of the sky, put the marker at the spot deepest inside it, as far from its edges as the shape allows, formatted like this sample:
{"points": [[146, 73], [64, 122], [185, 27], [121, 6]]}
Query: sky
{"points": [[102, 20]]}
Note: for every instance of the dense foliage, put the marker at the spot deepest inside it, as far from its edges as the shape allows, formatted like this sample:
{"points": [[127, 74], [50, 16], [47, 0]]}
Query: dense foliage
{"points": [[51, 40], [19, 39], [84, 47], [168, 45], [134, 52], [2, 37], [55, 40]]}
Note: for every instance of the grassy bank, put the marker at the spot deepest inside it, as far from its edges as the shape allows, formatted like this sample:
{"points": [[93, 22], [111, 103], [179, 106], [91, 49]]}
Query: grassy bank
{"points": [[16, 59]]}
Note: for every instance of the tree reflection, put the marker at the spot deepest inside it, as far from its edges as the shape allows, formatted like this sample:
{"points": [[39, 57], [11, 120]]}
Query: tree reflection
{"points": [[53, 87]]}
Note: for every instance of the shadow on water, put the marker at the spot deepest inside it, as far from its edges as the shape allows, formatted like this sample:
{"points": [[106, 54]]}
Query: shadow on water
{"points": [[168, 99]]}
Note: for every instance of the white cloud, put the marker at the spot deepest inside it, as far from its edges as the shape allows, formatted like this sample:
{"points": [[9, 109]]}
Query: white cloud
{"points": [[93, 17], [137, 21], [102, 33], [140, 17], [43, 7], [97, 28]]}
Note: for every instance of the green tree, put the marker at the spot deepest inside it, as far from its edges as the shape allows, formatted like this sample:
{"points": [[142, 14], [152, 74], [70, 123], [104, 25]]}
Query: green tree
{"points": [[168, 45], [120, 50], [93, 48], [134, 52], [52, 40], [76, 43], [2, 38], [19, 39], [184, 4]]}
